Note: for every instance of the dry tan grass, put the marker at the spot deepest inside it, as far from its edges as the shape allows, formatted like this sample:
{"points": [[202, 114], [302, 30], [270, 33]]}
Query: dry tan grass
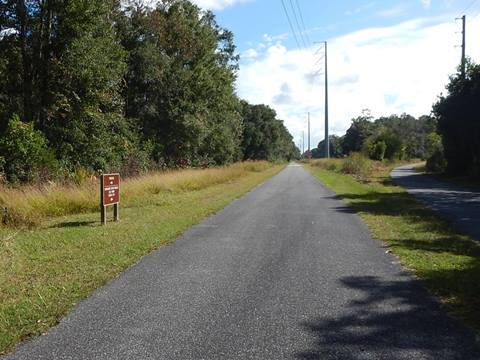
{"points": [[29, 206]]}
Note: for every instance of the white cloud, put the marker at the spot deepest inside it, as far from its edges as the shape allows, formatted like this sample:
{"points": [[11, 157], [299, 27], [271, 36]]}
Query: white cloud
{"points": [[217, 4], [249, 54], [402, 68], [272, 38], [206, 4]]}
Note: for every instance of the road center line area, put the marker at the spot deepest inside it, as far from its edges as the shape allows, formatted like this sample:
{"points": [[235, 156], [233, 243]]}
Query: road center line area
{"points": [[286, 272]]}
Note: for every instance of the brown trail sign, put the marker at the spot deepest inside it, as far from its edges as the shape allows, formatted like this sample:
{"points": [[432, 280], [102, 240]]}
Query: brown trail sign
{"points": [[109, 195]]}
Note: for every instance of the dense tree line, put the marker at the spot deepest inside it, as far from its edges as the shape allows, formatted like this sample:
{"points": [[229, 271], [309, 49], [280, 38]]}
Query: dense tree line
{"points": [[392, 137], [265, 137], [458, 143], [114, 85]]}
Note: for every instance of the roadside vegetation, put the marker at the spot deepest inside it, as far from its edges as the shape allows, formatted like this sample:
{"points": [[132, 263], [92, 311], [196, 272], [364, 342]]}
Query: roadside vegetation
{"points": [[114, 86], [28, 206], [120, 86], [447, 139], [45, 271], [389, 138], [447, 263]]}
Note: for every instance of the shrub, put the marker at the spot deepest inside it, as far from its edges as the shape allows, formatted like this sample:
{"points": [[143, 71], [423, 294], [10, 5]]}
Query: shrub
{"points": [[24, 152], [377, 150], [357, 165], [384, 144], [29, 205], [434, 144], [327, 164], [436, 161]]}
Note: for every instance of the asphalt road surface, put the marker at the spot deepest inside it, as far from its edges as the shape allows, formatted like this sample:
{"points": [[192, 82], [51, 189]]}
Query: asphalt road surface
{"points": [[456, 204], [286, 272]]}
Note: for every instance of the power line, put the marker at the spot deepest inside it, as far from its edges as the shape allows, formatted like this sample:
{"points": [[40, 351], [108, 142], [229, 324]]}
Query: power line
{"points": [[291, 26], [303, 22], [468, 7], [298, 24], [475, 14]]}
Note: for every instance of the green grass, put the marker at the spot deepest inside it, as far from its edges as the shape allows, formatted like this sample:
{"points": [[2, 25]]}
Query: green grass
{"points": [[447, 262], [28, 206], [46, 270]]}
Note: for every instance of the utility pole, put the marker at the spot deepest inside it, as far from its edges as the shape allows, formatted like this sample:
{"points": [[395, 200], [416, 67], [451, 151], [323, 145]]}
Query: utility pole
{"points": [[303, 142], [327, 139], [463, 61], [309, 135], [464, 20]]}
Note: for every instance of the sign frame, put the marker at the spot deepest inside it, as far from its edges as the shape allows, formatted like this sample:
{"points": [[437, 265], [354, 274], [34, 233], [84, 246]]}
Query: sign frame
{"points": [[109, 195]]}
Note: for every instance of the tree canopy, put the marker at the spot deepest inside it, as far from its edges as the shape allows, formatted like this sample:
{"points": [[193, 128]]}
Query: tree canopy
{"points": [[116, 85], [265, 137], [459, 122], [388, 137]]}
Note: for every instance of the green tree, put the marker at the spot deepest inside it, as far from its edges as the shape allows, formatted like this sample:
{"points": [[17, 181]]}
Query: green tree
{"points": [[377, 150], [115, 85], [336, 148], [411, 131], [71, 70], [23, 152], [457, 115], [180, 82], [360, 130], [265, 137], [436, 161]]}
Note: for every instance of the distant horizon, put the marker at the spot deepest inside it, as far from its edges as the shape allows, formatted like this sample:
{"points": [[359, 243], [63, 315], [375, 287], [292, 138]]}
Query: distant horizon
{"points": [[371, 44]]}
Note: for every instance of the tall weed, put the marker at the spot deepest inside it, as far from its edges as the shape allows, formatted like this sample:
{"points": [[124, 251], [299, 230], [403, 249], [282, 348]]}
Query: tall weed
{"points": [[357, 165], [28, 206]]}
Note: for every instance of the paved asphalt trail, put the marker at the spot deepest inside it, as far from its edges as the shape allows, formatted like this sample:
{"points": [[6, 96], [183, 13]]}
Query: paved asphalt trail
{"points": [[458, 205], [286, 272]]}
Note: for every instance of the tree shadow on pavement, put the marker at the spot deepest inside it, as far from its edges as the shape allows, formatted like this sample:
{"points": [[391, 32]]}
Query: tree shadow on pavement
{"points": [[398, 204], [392, 320], [447, 262]]}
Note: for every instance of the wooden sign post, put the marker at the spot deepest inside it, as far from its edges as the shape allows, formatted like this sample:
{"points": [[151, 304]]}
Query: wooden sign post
{"points": [[109, 195]]}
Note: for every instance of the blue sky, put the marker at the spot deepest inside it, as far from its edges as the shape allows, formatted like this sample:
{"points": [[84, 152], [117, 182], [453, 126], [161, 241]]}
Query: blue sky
{"points": [[250, 20], [386, 56]]}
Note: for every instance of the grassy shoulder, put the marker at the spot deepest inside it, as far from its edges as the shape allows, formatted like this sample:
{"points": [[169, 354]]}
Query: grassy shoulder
{"points": [[448, 263], [46, 270]]}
